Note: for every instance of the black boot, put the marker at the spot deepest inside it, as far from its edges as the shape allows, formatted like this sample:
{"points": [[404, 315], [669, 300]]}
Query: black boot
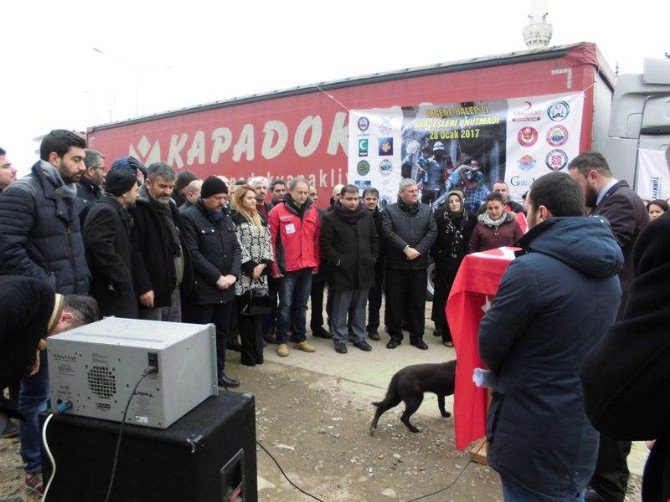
{"points": [[225, 381]]}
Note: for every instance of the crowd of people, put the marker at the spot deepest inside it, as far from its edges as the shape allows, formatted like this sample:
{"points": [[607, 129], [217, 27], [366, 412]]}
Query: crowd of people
{"points": [[149, 243]]}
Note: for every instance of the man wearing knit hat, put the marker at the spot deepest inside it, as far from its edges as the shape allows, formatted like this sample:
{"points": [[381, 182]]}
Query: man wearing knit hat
{"points": [[131, 164], [212, 242], [108, 249], [183, 179]]}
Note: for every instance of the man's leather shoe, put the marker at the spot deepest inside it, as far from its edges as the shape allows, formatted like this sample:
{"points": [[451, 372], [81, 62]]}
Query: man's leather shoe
{"points": [[227, 382], [363, 345], [320, 332], [340, 348], [374, 335], [419, 344], [393, 343], [270, 338]]}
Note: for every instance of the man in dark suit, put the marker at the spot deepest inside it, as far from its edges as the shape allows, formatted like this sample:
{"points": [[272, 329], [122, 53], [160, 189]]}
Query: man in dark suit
{"points": [[615, 201]]}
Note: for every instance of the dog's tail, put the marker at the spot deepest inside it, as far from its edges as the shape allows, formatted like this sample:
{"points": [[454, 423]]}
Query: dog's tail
{"points": [[392, 397]]}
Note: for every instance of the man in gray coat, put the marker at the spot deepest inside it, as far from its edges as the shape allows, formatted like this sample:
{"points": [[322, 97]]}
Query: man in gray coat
{"points": [[553, 304]]}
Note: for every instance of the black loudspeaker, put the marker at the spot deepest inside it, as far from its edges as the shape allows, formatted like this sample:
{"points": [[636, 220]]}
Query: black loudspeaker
{"points": [[208, 455]]}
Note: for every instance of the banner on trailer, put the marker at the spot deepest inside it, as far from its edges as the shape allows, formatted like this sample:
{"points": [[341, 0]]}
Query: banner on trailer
{"points": [[516, 140], [653, 178]]}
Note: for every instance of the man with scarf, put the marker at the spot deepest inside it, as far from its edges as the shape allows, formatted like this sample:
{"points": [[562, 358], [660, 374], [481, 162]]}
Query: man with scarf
{"points": [[454, 226], [349, 247], [295, 229], [40, 237], [408, 227], [158, 252], [212, 241]]}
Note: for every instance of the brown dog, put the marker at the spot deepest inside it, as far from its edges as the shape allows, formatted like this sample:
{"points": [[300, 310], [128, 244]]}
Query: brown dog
{"points": [[410, 383]]}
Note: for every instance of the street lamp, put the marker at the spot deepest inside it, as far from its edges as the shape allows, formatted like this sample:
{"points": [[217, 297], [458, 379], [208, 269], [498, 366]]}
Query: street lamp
{"points": [[135, 70]]}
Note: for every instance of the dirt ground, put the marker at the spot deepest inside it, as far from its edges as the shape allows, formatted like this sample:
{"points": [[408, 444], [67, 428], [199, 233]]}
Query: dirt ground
{"points": [[317, 429]]}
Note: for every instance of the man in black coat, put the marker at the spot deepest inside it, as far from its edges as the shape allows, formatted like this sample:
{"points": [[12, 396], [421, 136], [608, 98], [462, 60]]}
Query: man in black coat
{"points": [[349, 249], [212, 241], [627, 215], [108, 249], [409, 230], [553, 304], [371, 202], [40, 237], [90, 186], [160, 262], [625, 377]]}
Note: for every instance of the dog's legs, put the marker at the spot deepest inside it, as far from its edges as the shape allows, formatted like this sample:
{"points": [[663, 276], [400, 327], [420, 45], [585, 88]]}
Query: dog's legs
{"points": [[440, 405], [411, 405]]}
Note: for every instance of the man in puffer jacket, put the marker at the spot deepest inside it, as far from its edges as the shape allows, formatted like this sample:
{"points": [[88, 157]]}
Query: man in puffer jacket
{"points": [[40, 237]]}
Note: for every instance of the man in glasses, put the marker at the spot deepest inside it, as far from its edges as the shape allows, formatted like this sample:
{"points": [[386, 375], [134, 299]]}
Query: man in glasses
{"points": [[92, 181]]}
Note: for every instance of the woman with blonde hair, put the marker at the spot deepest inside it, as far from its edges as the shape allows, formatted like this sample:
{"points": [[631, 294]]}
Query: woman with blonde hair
{"points": [[252, 287]]}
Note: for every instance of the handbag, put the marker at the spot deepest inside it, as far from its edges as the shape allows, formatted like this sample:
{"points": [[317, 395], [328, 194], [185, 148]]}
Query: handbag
{"points": [[256, 303]]}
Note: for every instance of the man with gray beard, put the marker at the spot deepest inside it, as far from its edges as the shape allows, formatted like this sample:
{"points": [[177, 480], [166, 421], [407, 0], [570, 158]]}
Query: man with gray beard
{"points": [[159, 260]]}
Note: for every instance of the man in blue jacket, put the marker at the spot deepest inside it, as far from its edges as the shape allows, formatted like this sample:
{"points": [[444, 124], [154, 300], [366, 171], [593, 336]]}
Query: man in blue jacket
{"points": [[554, 303]]}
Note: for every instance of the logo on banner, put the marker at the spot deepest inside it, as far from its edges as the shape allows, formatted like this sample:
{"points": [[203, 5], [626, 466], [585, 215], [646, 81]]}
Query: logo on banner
{"points": [[363, 167], [527, 136], [386, 127], [556, 160], [363, 144], [558, 111], [385, 146], [527, 114], [363, 123], [557, 135], [526, 162], [385, 167]]}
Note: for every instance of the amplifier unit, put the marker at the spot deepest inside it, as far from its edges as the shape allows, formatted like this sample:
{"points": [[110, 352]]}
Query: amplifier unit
{"points": [[97, 366]]}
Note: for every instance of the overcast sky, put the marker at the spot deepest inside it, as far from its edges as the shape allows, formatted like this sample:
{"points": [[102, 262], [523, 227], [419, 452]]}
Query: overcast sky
{"points": [[158, 56]]}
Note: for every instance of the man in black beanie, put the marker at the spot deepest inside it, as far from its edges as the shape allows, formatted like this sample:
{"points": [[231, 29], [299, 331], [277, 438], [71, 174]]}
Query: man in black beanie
{"points": [[108, 249], [216, 253], [183, 179]]}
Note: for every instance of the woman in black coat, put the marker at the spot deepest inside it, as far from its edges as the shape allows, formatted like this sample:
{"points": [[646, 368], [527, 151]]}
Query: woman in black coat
{"points": [[108, 247], [454, 226]]}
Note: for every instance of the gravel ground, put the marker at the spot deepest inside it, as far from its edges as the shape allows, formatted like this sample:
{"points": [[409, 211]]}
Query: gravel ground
{"points": [[317, 429]]}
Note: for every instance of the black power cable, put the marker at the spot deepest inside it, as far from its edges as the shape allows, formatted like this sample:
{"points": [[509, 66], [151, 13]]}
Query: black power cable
{"points": [[144, 374], [320, 500], [287, 478]]}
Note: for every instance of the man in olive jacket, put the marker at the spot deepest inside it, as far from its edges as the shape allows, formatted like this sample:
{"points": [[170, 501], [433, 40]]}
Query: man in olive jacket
{"points": [[409, 231], [349, 251], [216, 254]]}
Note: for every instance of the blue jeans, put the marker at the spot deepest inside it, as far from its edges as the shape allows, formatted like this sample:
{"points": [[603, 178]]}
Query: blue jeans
{"points": [[353, 302], [514, 492], [33, 400], [293, 296]]}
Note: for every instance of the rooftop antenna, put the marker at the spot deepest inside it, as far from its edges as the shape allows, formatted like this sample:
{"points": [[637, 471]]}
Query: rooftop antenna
{"points": [[537, 33]]}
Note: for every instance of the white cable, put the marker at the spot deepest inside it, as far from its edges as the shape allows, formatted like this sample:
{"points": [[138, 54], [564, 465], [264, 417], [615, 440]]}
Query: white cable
{"points": [[51, 457]]}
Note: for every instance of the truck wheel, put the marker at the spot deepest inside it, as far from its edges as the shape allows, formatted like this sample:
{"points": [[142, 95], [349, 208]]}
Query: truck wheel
{"points": [[430, 287]]}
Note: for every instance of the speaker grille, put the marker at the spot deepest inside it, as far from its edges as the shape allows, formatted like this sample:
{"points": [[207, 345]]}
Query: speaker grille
{"points": [[102, 382]]}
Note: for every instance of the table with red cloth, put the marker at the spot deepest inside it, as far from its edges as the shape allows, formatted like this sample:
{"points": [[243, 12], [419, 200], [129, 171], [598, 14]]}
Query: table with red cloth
{"points": [[476, 282]]}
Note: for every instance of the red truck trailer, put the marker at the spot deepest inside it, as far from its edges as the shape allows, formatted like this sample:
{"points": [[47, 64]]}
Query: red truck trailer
{"points": [[305, 130]]}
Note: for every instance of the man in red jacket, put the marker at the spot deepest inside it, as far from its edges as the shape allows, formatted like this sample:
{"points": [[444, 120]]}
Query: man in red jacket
{"points": [[295, 229]]}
